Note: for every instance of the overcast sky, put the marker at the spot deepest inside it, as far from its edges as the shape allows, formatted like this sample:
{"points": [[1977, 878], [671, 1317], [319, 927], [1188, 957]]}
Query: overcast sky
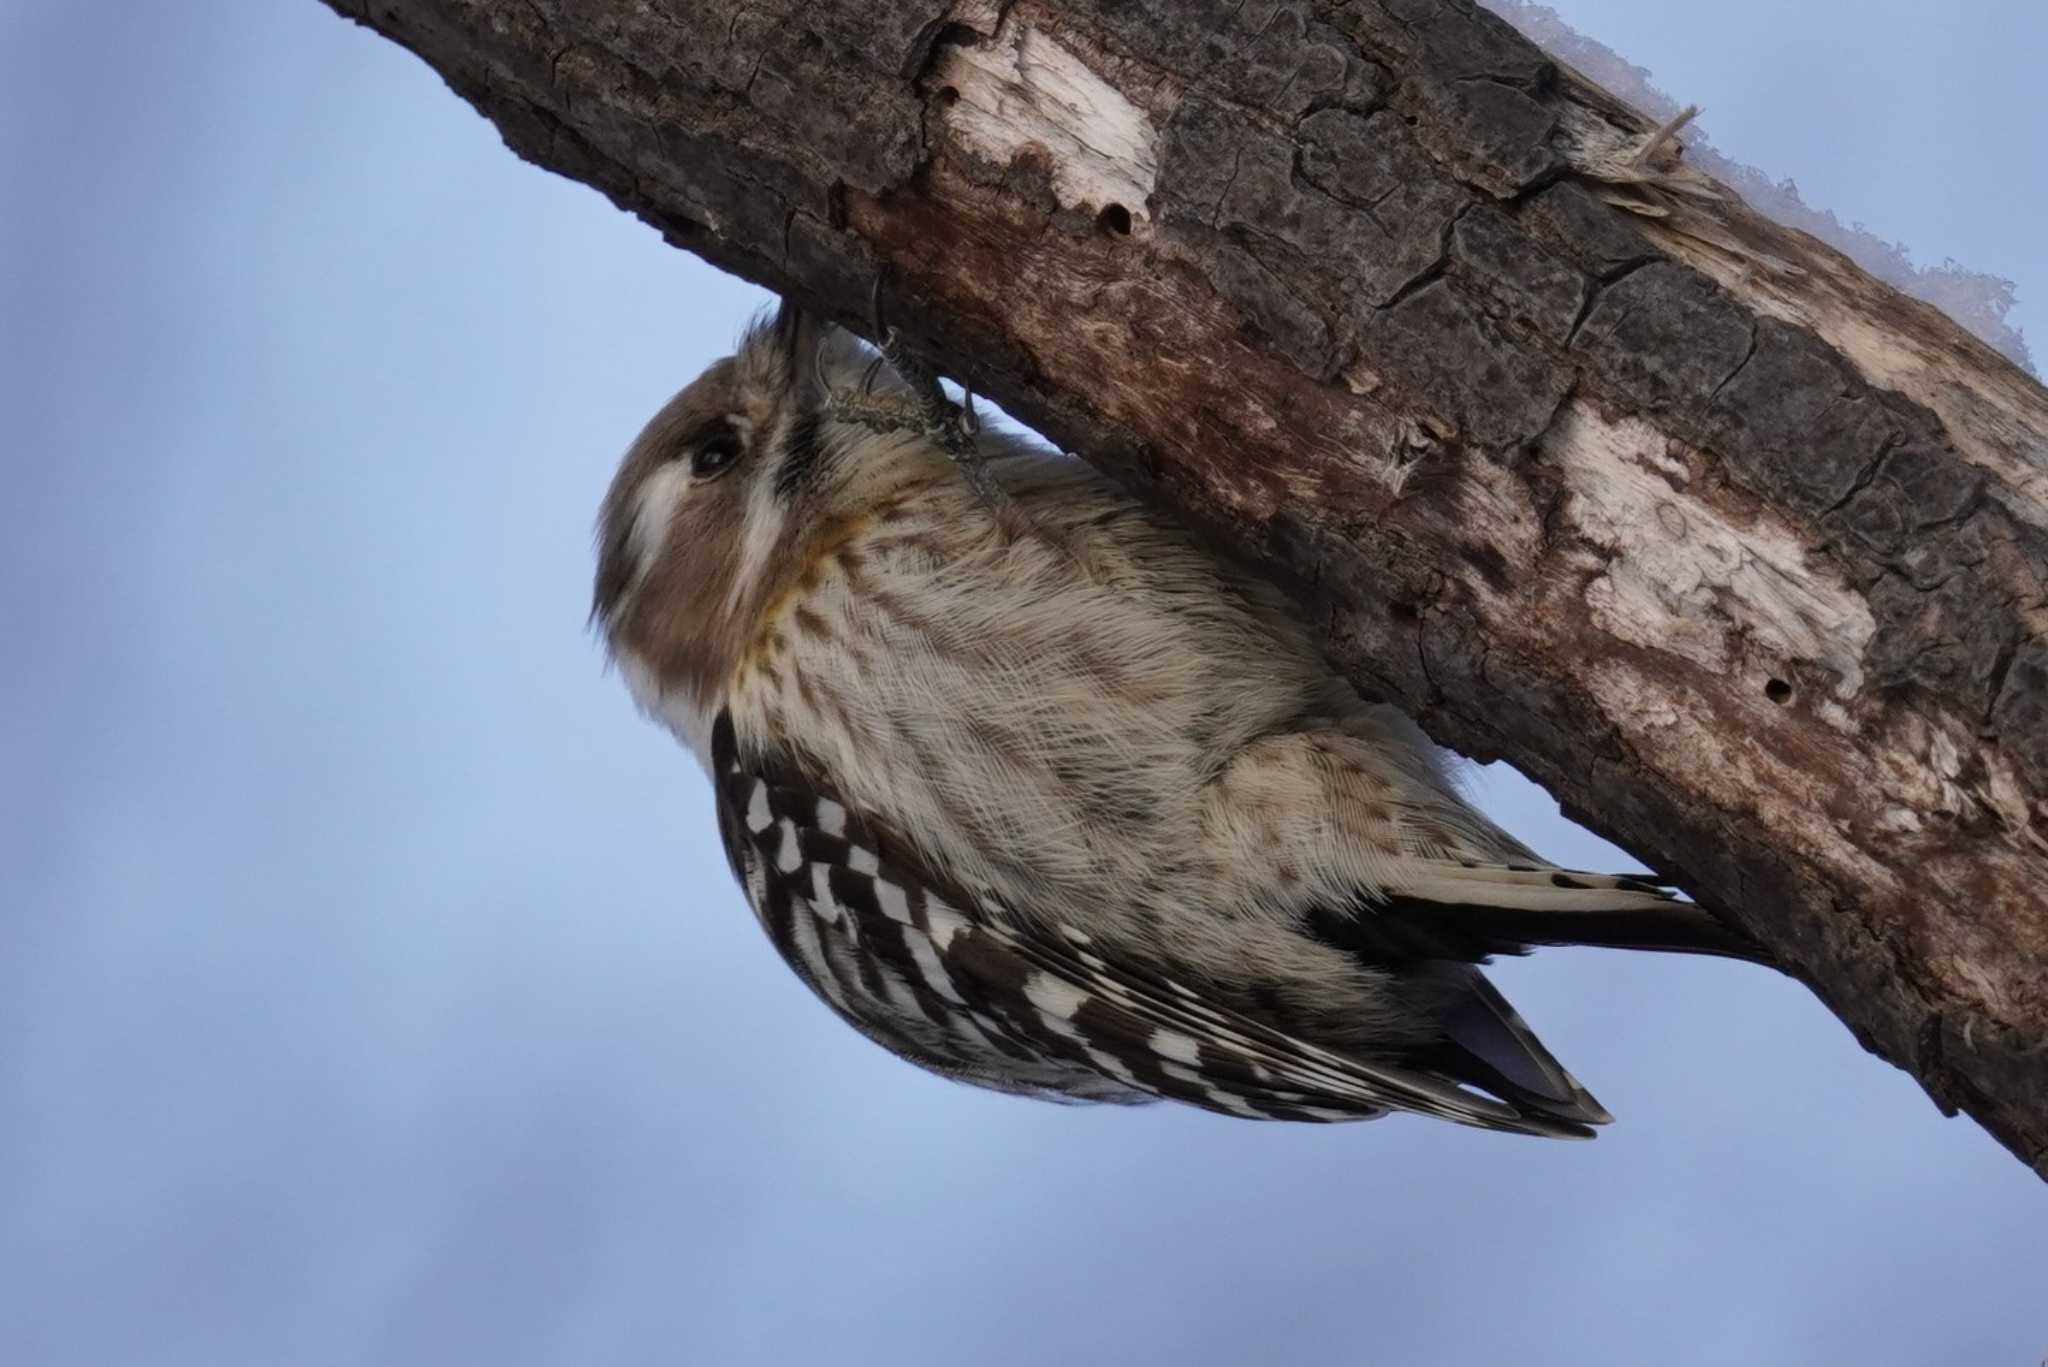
{"points": [[372, 990]]}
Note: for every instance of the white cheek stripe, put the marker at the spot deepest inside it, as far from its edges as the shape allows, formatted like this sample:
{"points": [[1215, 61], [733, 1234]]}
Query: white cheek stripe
{"points": [[654, 506], [761, 534]]}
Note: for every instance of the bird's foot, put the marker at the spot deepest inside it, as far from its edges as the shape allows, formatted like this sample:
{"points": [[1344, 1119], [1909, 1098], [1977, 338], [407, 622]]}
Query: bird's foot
{"points": [[919, 404]]}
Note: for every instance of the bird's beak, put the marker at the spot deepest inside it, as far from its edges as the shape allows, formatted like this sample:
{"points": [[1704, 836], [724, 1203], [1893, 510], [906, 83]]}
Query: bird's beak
{"points": [[796, 336]]}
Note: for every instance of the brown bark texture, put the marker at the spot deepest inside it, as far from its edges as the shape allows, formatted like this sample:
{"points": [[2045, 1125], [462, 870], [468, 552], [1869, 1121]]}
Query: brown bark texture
{"points": [[1738, 551]]}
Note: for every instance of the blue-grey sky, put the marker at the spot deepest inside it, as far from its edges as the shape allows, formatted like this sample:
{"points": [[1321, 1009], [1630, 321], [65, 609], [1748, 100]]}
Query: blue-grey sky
{"points": [[372, 990]]}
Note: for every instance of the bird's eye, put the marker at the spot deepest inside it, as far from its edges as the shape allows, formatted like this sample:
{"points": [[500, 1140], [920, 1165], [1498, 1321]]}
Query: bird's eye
{"points": [[715, 454]]}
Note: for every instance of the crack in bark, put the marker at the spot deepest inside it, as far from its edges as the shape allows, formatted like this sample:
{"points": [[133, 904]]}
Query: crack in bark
{"points": [[1229, 184], [1748, 355], [1434, 271], [2001, 665], [1864, 477], [1596, 288]]}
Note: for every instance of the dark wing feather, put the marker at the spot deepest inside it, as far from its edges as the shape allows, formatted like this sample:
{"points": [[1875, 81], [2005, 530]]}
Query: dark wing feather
{"points": [[970, 990]]}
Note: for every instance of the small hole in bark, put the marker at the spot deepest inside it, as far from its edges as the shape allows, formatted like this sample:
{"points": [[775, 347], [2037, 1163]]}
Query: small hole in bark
{"points": [[1778, 691], [1114, 218], [948, 97], [1402, 612]]}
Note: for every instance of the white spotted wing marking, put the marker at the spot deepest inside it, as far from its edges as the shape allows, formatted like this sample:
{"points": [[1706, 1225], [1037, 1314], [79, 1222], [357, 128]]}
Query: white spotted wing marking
{"points": [[1176, 1047], [788, 852], [1057, 1000], [1242, 1066], [961, 986], [831, 817], [895, 905], [758, 816], [935, 975], [867, 937]]}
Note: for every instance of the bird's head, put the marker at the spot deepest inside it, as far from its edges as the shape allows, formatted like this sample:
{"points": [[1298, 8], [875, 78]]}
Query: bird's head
{"points": [[711, 505]]}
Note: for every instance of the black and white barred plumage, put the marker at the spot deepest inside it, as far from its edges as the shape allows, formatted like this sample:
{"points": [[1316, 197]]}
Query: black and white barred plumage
{"points": [[1049, 799], [968, 990]]}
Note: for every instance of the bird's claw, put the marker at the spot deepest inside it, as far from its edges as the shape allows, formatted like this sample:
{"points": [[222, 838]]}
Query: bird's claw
{"points": [[868, 376], [952, 427], [920, 403]]}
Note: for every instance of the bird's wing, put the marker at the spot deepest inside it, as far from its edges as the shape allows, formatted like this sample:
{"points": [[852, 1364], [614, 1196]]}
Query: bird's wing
{"points": [[929, 970]]}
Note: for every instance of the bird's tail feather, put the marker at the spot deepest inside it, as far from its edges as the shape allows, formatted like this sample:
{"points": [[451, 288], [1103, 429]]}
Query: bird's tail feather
{"points": [[1515, 906]]}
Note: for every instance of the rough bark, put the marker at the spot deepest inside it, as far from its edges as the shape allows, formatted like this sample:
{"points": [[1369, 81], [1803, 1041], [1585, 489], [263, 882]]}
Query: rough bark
{"points": [[1738, 551]]}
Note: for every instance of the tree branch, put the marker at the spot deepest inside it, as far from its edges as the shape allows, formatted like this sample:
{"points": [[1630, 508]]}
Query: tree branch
{"points": [[1737, 550]]}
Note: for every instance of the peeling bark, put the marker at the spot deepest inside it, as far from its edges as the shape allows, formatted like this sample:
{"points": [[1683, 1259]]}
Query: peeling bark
{"points": [[1737, 550]]}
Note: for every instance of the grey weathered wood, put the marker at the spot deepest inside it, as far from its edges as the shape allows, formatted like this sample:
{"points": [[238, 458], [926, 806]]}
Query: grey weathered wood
{"points": [[1738, 551]]}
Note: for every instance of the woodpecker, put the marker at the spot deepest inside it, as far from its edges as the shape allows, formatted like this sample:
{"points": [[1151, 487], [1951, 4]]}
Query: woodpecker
{"points": [[1041, 794]]}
